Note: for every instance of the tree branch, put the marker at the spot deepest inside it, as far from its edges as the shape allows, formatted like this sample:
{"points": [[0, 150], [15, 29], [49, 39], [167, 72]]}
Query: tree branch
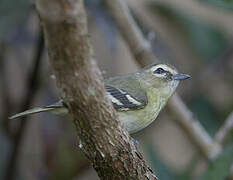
{"points": [[144, 56], [193, 128], [224, 130], [139, 47], [102, 138], [207, 13], [222, 133]]}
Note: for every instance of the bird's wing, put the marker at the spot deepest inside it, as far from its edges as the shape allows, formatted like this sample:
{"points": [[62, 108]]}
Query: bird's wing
{"points": [[122, 100]]}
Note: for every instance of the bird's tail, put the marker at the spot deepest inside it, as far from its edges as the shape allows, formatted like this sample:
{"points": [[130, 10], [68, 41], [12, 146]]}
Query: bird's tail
{"points": [[56, 108]]}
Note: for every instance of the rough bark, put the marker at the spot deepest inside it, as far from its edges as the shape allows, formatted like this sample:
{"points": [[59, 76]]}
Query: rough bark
{"points": [[102, 138]]}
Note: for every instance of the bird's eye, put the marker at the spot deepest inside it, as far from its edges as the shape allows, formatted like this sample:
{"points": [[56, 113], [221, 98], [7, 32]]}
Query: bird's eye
{"points": [[159, 71]]}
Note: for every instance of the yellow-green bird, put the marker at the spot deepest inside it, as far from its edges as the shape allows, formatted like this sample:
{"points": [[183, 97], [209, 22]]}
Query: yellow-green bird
{"points": [[138, 97]]}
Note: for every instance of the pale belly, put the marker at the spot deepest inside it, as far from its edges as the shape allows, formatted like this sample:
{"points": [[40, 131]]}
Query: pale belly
{"points": [[135, 121]]}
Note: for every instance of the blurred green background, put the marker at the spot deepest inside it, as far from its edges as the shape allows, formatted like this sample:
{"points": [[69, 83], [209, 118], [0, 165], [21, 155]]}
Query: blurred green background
{"points": [[193, 35]]}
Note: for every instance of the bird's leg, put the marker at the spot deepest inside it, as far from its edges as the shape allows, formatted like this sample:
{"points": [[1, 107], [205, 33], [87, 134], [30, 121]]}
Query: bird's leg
{"points": [[135, 142]]}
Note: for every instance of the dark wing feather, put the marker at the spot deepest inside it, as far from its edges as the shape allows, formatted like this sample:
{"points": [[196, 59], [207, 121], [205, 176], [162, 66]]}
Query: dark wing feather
{"points": [[123, 100]]}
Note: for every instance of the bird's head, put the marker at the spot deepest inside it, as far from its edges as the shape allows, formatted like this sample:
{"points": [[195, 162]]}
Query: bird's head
{"points": [[163, 77]]}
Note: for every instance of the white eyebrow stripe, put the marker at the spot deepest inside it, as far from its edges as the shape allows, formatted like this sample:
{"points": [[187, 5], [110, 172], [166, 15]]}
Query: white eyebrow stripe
{"points": [[165, 67], [160, 75]]}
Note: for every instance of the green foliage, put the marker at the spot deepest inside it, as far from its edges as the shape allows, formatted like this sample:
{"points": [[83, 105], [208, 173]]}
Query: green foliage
{"points": [[207, 114], [217, 170], [165, 172], [12, 13], [5, 149], [204, 39], [226, 4], [207, 40], [68, 161], [161, 169], [220, 168]]}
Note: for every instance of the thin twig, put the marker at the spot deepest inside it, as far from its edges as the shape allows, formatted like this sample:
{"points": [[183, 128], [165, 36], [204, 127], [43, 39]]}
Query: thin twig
{"points": [[144, 56], [222, 134], [224, 131], [138, 45], [193, 128], [217, 16], [31, 89]]}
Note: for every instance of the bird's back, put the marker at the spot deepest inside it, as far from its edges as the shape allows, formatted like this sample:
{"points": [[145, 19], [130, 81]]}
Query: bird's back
{"points": [[130, 84]]}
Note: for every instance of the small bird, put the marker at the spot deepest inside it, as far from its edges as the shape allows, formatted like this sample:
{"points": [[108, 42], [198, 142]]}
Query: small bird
{"points": [[138, 97]]}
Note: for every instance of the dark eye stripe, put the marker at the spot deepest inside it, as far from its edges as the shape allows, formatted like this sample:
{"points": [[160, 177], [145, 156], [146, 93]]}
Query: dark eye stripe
{"points": [[159, 71]]}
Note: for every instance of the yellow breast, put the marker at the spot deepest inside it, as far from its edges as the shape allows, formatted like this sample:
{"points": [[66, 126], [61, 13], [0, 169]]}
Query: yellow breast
{"points": [[136, 120]]}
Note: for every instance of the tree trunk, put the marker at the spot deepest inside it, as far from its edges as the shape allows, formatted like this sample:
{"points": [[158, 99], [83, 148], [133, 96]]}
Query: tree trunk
{"points": [[102, 138]]}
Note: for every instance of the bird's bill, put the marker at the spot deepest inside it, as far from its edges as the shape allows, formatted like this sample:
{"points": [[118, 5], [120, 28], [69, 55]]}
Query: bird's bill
{"points": [[181, 76]]}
